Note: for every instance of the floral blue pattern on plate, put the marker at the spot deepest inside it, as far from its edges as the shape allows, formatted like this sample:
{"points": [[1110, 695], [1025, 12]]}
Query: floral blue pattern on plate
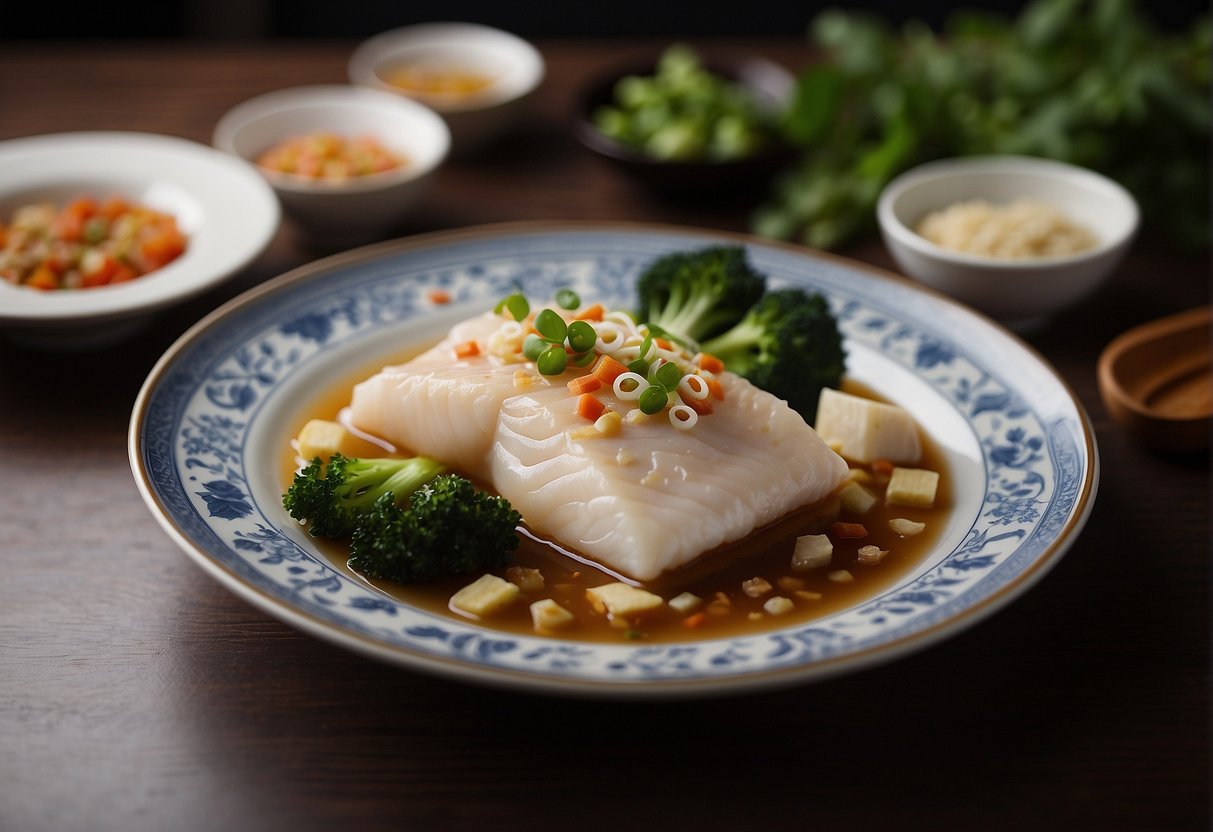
{"points": [[208, 429]]}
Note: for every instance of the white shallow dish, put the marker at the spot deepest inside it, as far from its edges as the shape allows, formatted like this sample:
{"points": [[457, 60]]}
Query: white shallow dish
{"points": [[207, 434], [223, 206], [1019, 292]]}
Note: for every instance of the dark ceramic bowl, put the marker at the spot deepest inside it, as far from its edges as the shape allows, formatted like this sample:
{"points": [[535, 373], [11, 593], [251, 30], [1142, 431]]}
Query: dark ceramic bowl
{"points": [[770, 84]]}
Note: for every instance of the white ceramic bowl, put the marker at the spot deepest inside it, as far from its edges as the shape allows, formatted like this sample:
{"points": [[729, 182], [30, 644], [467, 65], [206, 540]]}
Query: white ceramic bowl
{"points": [[360, 208], [225, 209], [1020, 291], [475, 119]]}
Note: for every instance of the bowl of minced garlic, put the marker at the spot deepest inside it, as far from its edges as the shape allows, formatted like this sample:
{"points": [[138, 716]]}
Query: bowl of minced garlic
{"points": [[1018, 238]]}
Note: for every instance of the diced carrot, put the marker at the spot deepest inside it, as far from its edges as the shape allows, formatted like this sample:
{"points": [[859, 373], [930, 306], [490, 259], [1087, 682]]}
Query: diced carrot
{"points": [[584, 384], [701, 406], [696, 620], [162, 248], [103, 273], [608, 369], [467, 349], [439, 296], [43, 278], [113, 208], [123, 274], [715, 388], [590, 407], [844, 531], [594, 312], [882, 466], [710, 363], [664, 343]]}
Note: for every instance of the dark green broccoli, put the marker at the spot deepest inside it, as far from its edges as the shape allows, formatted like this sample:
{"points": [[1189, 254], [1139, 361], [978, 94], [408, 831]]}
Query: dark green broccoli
{"points": [[332, 498], [697, 294], [789, 345], [451, 528]]}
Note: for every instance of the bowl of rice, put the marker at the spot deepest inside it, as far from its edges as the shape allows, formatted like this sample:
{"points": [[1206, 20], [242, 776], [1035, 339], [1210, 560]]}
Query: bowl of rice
{"points": [[1018, 238]]}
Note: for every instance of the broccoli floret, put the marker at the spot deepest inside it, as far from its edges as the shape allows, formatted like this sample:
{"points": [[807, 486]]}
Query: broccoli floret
{"points": [[697, 294], [787, 344], [332, 498], [451, 528]]}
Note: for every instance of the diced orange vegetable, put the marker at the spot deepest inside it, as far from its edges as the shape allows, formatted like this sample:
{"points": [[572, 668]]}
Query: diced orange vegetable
{"points": [[43, 278], [715, 388], [584, 384], [701, 406], [710, 363], [162, 248], [102, 274], [590, 407], [594, 312], [467, 349], [664, 343], [439, 296], [882, 466], [696, 620], [845, 531], [608, 369], [123, 274], [113, 208]]}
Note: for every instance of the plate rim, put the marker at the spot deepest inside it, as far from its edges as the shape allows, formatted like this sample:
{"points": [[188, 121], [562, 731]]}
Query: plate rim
{"points": [[645, 688]]}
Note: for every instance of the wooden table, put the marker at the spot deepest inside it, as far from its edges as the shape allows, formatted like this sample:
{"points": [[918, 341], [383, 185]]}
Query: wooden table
{"points": [[138, 694]]}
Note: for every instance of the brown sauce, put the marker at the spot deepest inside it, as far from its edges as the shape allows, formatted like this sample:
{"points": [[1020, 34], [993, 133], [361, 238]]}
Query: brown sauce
{"points": [[716, 577]]}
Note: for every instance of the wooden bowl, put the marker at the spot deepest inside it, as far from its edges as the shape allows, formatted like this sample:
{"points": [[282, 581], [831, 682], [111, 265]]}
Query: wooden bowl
{"points": [[1157, 380]]}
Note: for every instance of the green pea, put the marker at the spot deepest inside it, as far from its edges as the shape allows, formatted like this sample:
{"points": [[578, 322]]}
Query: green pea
{"points": [[533, 346], [653, 399], [568, 299], [582, 336], [552, 361], [551, 326]]}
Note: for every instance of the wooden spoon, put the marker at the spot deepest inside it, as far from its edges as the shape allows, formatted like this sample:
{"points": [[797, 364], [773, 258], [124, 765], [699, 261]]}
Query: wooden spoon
{"points": [[1157, 380]]}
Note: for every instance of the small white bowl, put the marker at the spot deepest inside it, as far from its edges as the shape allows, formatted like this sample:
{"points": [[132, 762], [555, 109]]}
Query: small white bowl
{"points": [[1019, 292], [515, 67], [358, 209], [226, 211]]}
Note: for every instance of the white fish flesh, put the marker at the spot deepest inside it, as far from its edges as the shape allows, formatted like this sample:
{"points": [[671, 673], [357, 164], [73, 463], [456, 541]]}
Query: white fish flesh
{"points": [[645, 501]]}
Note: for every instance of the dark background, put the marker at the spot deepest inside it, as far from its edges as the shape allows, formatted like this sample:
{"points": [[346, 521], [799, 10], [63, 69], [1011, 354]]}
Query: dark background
{"points": [[224, 19]]}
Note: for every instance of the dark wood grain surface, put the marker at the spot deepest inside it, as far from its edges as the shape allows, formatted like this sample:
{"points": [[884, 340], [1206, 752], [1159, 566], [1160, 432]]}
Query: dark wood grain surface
{"points": [[138, 694]]}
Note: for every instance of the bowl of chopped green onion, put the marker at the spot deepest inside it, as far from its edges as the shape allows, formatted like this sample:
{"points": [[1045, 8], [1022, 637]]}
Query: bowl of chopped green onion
{"points": [[687, 125]]}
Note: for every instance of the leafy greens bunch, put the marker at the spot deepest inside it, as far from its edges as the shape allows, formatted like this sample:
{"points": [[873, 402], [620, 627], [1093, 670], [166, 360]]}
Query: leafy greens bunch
{"points": [[1088, 82]]}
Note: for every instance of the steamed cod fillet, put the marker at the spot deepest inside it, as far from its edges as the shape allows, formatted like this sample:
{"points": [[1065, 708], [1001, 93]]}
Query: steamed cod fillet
{"points": [[643, 502]]}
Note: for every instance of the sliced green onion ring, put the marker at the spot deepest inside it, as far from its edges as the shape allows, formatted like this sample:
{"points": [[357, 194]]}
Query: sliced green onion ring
{"points": [[683, 417], [629, 386], [693, 387]]}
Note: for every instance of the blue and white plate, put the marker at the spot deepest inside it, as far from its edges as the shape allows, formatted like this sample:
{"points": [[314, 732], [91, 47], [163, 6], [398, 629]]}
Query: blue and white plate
{"points": [[208, 429]]}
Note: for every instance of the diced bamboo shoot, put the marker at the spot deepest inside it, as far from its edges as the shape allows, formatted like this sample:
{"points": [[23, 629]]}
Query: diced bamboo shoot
{"points": [[864, 430], [685, 602], [322, 438], [857, 499], [904, 527], [812, 552], [548, 615], [778, 605], [485, 595], [621, 600], [912, 487], [528, 580]]}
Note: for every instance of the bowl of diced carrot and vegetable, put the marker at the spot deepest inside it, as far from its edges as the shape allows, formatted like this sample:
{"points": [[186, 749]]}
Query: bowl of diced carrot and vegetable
{"points": [[349, 164], [100, 230]]}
